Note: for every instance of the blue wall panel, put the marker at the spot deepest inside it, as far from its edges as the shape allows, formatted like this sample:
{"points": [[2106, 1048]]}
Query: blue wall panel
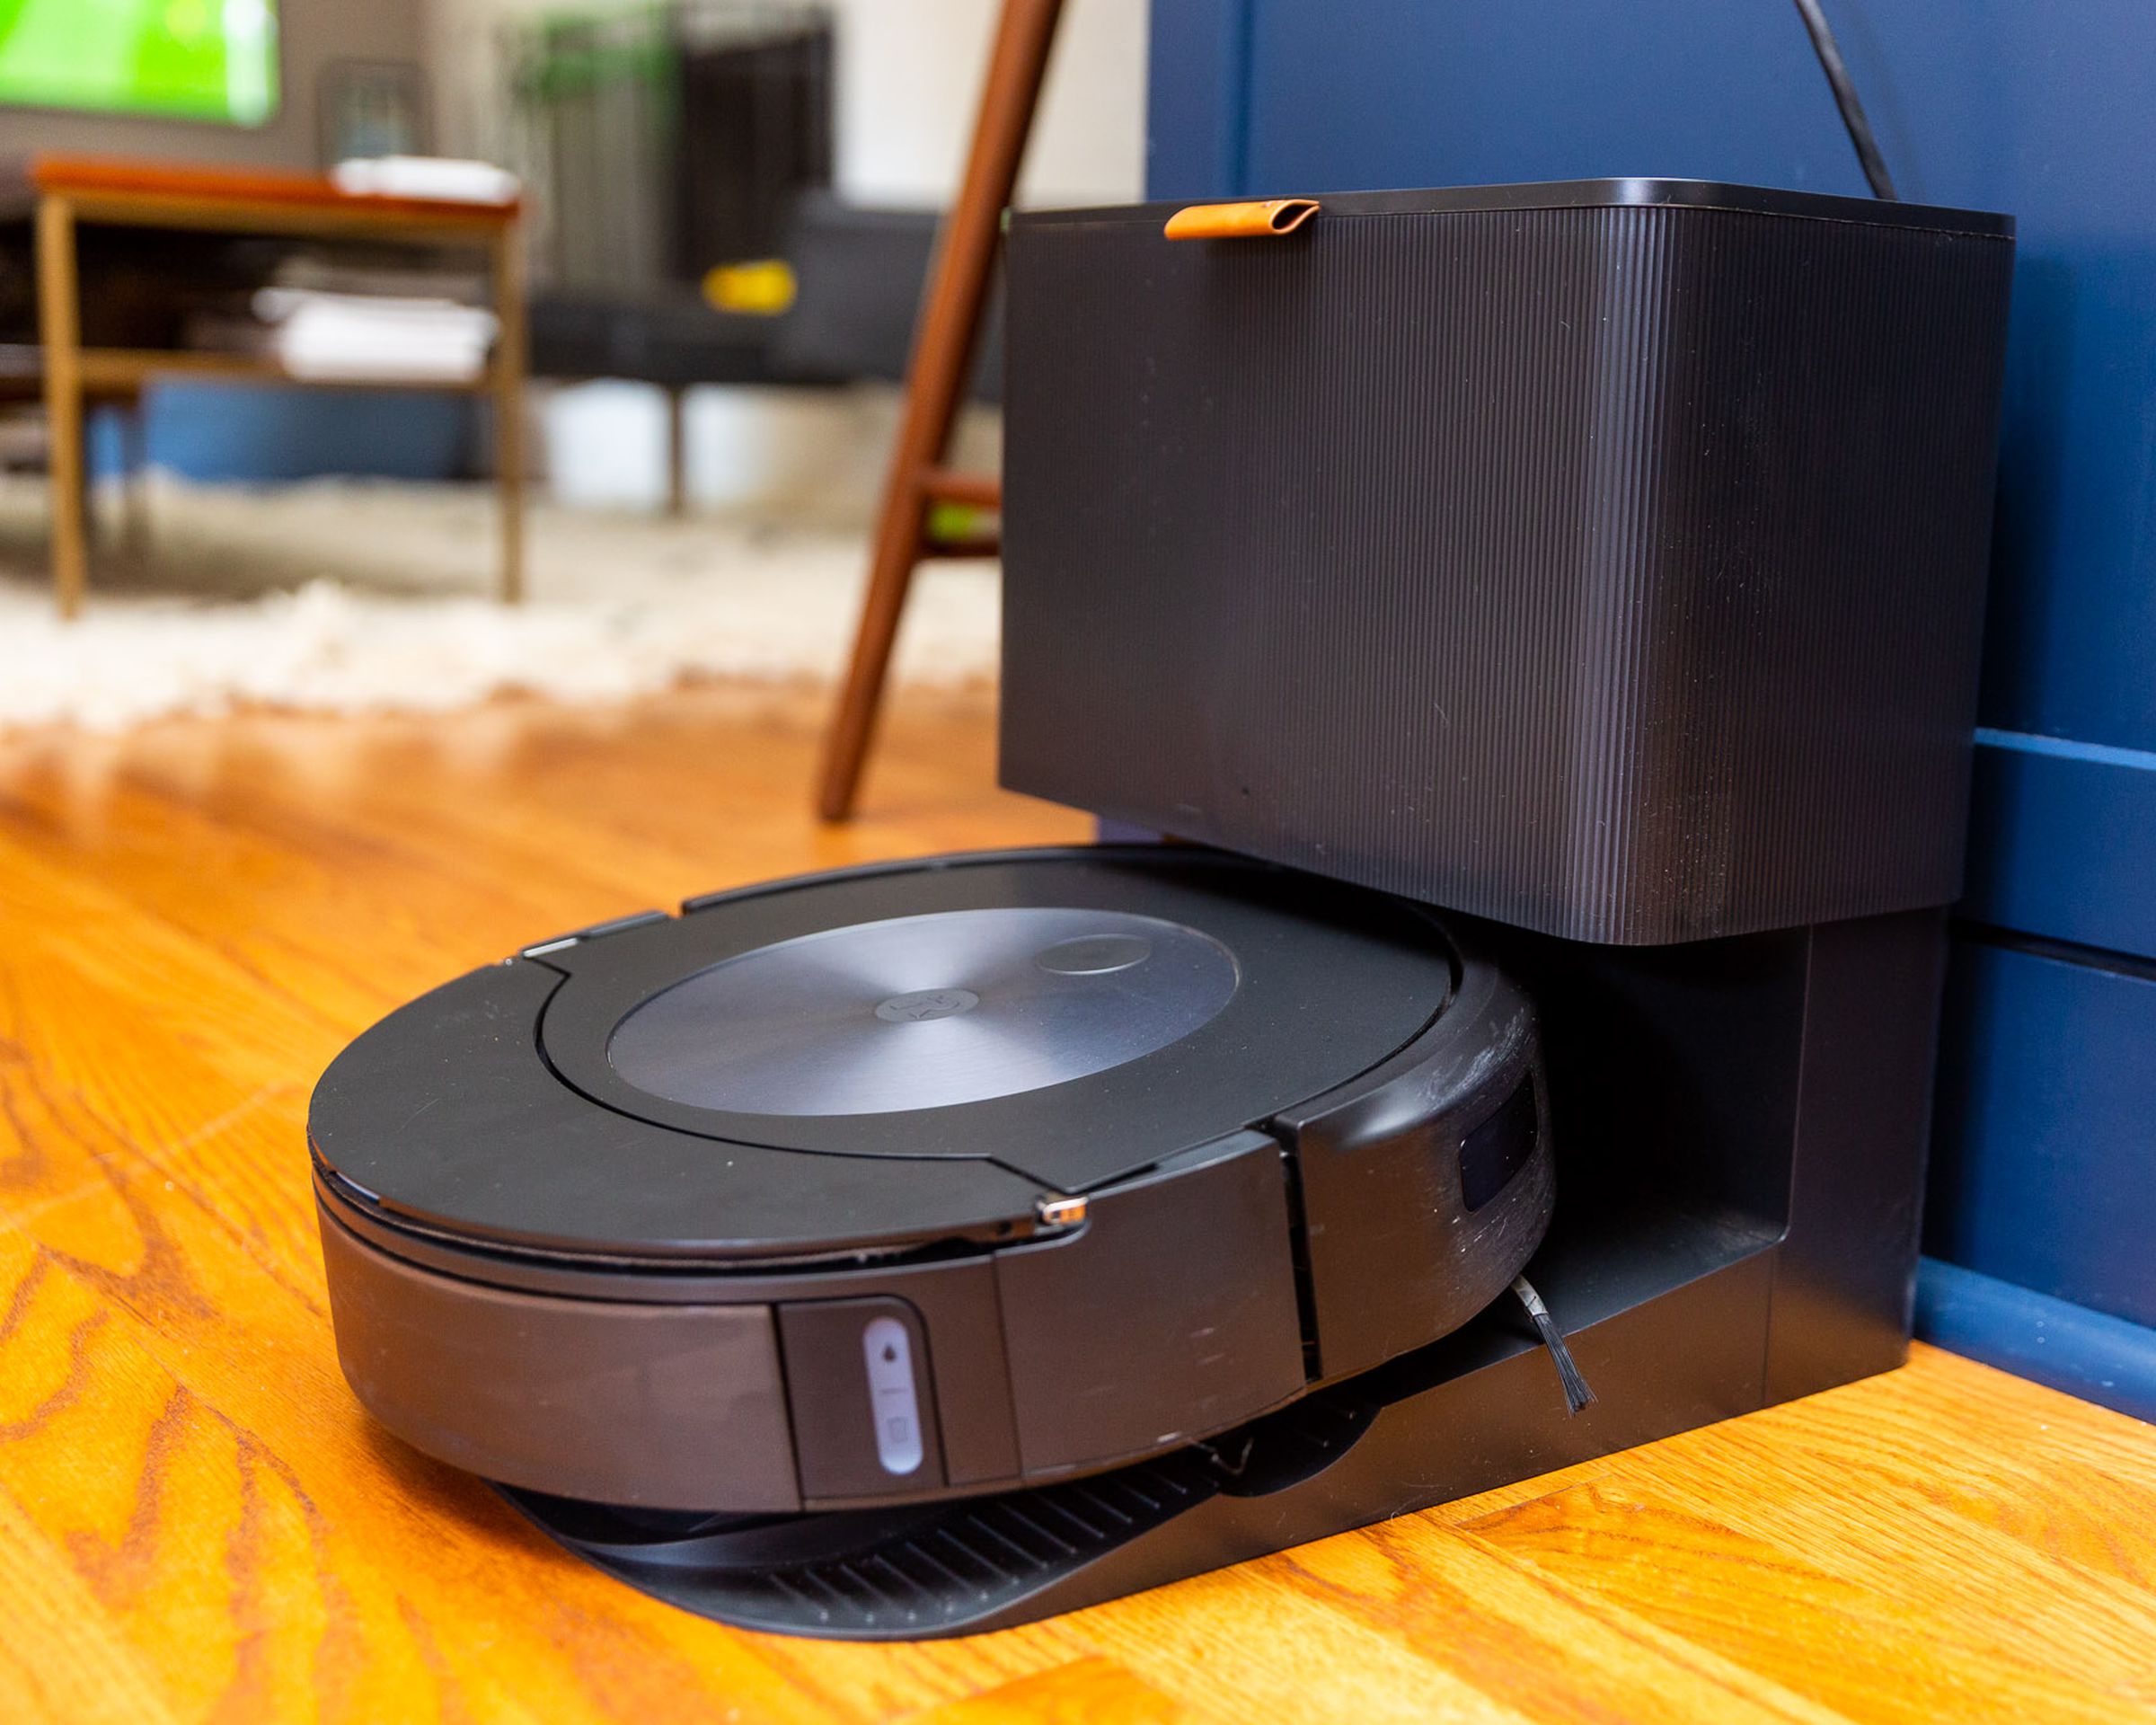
{"points": [[1196, 98], [2044, 1167], [2068, 1347], [2063, 841], [1448, 92]]}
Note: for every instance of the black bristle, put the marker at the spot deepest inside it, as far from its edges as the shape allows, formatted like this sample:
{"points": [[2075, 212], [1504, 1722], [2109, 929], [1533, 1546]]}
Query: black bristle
{"points": [[1578, 1395]]}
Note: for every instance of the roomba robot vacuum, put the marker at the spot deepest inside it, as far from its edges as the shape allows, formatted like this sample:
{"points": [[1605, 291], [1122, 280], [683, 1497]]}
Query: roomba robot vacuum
{"points": [[752, 1248]]}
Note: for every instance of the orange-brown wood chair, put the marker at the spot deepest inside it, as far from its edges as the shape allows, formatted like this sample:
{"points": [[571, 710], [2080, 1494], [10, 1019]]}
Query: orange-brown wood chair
{"points": [[943, 360]]}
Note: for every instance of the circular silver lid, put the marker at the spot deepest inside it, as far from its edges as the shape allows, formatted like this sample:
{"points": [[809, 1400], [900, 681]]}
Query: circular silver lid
{"points": [[924, 1011]]}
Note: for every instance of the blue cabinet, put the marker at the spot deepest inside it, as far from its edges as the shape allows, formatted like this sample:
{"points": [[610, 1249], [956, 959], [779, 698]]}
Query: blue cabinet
{"points": [[2040, 108]]}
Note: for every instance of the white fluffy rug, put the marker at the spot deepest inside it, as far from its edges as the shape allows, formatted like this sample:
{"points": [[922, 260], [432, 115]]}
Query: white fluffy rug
{"points": [[346, 597]]}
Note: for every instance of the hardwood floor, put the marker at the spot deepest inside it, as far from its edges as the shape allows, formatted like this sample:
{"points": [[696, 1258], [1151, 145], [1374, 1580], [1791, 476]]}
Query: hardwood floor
{"points": [[197, 1522]]}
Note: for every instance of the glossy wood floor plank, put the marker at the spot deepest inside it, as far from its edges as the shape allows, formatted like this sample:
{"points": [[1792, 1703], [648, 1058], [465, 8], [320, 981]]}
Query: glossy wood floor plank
{"points": [[197, 1522]]}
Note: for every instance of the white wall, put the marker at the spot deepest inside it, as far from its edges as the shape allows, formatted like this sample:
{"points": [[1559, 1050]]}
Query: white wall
{"points": [[910, 74]]}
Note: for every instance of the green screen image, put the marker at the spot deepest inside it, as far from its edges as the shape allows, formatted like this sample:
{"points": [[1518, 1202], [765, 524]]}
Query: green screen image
{"points": [[192, 59]]}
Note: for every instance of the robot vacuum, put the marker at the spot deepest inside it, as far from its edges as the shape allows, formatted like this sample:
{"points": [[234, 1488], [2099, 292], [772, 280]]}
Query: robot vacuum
{"points": [[825, 1213]]}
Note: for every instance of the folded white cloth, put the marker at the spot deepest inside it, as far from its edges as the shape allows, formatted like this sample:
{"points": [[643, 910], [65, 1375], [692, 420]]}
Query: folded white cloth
{"points": [[373, 338], [441, 177]]}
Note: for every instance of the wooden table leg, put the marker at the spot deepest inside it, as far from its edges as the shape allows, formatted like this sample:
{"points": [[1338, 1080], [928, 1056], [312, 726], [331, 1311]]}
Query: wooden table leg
{"points": [[59, 332], [943, 361], [509, 358]]}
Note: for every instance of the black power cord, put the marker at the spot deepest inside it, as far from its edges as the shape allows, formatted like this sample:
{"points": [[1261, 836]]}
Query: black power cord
{"points": [[1845, 99]]}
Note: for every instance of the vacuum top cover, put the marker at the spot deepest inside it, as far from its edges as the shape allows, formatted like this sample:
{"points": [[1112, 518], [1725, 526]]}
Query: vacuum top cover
{"points": [[870, 1061], [837, 1023]]}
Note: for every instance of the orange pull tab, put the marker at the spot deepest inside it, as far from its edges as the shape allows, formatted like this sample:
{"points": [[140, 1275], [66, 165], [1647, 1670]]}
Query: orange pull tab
{"points": [[1254, 221]]}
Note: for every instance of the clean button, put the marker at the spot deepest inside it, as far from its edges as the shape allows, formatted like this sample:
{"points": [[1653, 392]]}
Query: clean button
{"points": [[889, 1352]]}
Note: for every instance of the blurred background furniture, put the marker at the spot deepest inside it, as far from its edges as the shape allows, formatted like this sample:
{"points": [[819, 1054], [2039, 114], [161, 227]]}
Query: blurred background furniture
{"points": [[670, 142], [277, 527], [854, 275], [686, 232], [669, 139], [98, 340]]}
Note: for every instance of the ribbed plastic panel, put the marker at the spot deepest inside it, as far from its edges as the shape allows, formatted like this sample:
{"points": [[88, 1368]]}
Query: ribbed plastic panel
{"points": [[895, 1575], [1615, 572], [968, 1563]]}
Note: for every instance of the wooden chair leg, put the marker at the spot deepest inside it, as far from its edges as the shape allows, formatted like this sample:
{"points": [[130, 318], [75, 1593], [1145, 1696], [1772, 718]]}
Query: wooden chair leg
{"points": [[936, 379], [59, 334]]}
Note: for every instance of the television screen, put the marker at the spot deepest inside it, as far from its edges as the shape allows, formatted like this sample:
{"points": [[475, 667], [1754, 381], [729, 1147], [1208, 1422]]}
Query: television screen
{"points": [[191, 59]]}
